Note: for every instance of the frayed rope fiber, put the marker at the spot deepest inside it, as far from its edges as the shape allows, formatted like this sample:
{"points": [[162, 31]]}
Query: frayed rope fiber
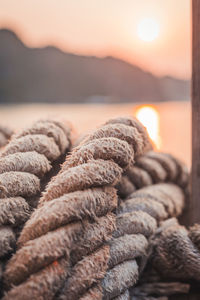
{"points": [[73, 204], [159, 202], [136, 223], [153, 167], [141, 223], [82, 242], [177, 251], [24, 163]]}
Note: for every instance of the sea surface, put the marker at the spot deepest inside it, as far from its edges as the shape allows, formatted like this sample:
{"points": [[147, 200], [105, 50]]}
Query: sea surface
{"points": [[174, 120]]}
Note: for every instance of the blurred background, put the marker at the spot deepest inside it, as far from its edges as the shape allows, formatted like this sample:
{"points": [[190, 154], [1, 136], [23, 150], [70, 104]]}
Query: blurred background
{"points": [[89, 60]]}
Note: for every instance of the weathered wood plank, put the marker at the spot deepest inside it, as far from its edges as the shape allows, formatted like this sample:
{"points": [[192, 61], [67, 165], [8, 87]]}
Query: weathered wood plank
{"points": [[194, 209]]}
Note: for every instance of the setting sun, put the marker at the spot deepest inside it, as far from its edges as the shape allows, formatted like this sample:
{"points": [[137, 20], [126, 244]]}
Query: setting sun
{"points": [[148, 30], [149, 117]]}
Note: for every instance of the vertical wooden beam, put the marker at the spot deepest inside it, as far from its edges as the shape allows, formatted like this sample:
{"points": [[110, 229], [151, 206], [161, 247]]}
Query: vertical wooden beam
{"points": [[194, 210]]}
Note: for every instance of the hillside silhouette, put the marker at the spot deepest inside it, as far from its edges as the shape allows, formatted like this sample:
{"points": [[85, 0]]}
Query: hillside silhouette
{"points": [[49, 75]]}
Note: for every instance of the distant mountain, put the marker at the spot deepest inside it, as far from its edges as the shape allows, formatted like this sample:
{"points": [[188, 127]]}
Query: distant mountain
{"points": [[50, 75]]}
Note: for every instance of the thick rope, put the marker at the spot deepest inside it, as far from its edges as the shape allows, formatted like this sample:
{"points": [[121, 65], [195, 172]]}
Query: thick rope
{"points": [[136, 222], [153, 167], [5, 135], [81, 194], [177, 251], [24, 164]]}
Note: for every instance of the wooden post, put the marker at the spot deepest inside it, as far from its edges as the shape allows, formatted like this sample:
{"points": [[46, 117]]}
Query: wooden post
{"points": [[194, 209]]}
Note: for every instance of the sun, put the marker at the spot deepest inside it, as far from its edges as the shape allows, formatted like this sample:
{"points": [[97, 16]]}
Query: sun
{"points": [[149, 117], [148, 30]]}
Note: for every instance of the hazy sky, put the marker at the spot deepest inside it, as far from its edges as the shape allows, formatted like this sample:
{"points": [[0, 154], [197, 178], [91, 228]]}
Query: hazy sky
{"points": [[107, 27]]}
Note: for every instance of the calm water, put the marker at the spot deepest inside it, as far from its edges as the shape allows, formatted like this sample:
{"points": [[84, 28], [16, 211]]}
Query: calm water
{"points": [[174, 120]]}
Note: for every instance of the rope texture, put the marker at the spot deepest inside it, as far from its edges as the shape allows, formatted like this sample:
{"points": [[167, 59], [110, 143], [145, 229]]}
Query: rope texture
{"points": [[153, 167], [136, 221], [177, 251], [80, 198], [24, 165]]}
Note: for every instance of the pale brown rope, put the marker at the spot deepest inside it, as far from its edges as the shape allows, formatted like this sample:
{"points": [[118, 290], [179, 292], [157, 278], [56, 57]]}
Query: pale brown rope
{"points": [[87, 178], [153, 167], [24, 163], [136, 222]]}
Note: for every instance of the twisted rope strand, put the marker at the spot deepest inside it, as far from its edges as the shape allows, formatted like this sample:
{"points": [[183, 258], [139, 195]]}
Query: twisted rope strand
{"points": [[140, 225], [134, 123], [68, 208], [24, 162], [153, 167], [89, 176], [171, 208], [177, 251], [129, 242]]}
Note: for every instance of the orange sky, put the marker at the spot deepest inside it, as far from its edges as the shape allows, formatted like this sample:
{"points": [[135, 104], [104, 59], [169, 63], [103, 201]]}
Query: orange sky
{"points": [[106, 27]]}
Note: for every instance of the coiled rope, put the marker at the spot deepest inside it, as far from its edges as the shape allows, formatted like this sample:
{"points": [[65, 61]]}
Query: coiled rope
{"points": [[136, 221], [177, 251], [153, 167], [24, 164], [80, 197]]}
